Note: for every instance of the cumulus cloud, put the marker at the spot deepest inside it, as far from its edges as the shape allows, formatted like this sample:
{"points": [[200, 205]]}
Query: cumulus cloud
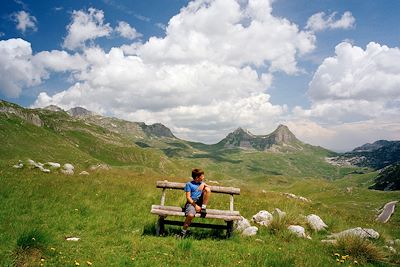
{"points": [[125, 30], [19, 68], [25, 21], [85, 26], [226, 32], [320, 21], [201, 80], [357, 93], [16, 68]]}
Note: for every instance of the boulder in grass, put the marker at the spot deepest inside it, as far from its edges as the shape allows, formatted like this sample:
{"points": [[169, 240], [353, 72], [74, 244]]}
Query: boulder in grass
{"points": [[68, 169], [54, 165], [298, 230], [83, 173], [250, 231], [242, 224], [263, 217], [358, 231], [315, 222]]}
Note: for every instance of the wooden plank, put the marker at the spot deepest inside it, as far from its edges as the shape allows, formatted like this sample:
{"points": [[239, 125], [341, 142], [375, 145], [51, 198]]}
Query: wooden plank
{"points": [[165, 213], [163, 197], [214, 189], [210, 211], [194, 224], [231, 203]]}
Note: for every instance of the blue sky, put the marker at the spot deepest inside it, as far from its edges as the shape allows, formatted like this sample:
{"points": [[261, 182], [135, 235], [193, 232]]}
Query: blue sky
{"points": [[327, 69]]}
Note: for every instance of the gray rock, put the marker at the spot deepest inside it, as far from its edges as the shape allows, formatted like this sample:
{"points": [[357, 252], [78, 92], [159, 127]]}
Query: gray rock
{"points": [[83, 173], [250, 231], [54, 164], [358, 231], [263, 217], [242, 224], [316, 222], [298, 230]]}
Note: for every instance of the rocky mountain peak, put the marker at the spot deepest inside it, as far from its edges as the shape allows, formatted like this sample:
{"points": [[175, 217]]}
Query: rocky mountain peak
{"points": [[80, 112], [282, 134], [244, 139], [53, 108], [157, 129], [372, 147]]}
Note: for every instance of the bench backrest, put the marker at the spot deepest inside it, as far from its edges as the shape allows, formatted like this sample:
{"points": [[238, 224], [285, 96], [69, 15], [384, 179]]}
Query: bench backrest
{"points": [[214, 189]]}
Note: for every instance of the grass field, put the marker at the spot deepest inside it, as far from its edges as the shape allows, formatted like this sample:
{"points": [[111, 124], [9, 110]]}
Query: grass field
{"points": [[109, 211]]}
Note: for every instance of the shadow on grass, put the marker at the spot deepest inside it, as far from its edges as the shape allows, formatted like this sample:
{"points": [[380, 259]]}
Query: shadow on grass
{"points": [[194, 233]]}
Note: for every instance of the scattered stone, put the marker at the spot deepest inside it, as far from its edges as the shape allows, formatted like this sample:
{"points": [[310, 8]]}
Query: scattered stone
{"points": [[20, 165], [290, 195], [242, 224], [277, 213], [358, 231], [68, 169], [316, 222], [349, 190], [298, 230], [72, 238], [31, 162], [54, 164], [44, 170], [83, 173], [100, 167], [263, 217], [250, 231]]}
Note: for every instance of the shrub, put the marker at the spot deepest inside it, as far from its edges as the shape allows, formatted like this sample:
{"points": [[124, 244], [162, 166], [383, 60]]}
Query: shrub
{"points": [[32, 239], [360, 249]]}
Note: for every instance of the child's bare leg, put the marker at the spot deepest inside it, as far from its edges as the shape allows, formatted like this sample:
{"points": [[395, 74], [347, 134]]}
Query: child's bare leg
{"points": [[206, 195], [188, 221]]}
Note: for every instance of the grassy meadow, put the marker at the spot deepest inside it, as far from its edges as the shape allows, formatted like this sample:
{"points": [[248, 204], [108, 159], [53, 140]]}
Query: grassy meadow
{"points": [[110, 212]]}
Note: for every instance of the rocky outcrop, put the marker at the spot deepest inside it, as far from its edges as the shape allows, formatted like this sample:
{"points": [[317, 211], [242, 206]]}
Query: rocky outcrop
{"points": [[244, 139], [358, 231], [25, 114], [263, 217], [80, 112], [156, 129]]}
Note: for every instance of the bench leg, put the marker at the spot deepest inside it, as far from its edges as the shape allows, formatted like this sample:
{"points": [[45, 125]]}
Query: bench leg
{"points": [[160, 226], [229, 229]]}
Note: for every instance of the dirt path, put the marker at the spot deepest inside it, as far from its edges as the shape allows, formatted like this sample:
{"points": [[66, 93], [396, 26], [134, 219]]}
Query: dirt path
{"points": [[388, 210]]}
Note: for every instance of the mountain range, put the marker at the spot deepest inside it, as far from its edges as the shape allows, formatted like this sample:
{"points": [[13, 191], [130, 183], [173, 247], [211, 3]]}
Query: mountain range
{"points": [[120, 142]]}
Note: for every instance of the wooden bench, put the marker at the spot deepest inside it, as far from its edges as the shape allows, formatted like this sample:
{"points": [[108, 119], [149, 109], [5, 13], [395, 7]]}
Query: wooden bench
{"points": [[229, 216]]}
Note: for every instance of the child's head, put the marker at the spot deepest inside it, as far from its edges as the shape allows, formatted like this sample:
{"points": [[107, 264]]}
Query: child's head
{"points": [[197, 173]]}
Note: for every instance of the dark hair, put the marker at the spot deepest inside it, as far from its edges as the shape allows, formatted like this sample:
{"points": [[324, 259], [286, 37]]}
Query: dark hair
{"points": [[197, 173]]}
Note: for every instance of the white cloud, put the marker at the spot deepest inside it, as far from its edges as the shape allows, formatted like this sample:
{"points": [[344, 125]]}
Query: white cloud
{"points": [[85, 26], [19, 68], [16, 68], [125, 30], [226, 32], [320, 21], [200, 79], [25, 21], [357, 93]]}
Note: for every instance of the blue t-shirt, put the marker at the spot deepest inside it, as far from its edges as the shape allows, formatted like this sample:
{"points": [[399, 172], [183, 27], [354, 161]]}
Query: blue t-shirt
{"points": [[193, 187]]}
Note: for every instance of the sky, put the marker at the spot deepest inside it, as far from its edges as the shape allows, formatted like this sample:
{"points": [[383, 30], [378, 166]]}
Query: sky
{"points": [[328, 69]]}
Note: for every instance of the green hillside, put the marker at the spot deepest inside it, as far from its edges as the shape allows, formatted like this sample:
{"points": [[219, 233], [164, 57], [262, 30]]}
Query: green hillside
{"points": [[110, 209]]}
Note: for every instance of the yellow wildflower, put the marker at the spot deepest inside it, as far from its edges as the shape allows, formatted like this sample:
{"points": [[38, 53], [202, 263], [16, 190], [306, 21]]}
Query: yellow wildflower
{"points": [[337, 254], [77, 263]]}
